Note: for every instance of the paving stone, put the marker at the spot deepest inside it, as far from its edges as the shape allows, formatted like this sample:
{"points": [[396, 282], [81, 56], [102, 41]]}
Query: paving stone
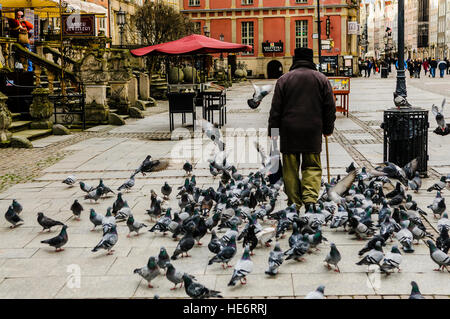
{"points": [[31, 288]]}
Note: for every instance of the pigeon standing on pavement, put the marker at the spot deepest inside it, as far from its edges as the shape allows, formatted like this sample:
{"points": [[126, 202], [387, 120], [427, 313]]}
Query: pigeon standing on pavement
{"points": [[196, 290], [438, 256], [85, 187], [438, 206], [59, 240], [443, 241], [416, 183], [316, 294], [405, 237], [176, 277], [70, 180], [225, 254], [166, 190], [373, 257], [108, 241], [134, 226], [12, 217], [276, 258], [96, 219], [415, 292], [76, 209], [243, 267], [333, 257], [187, 168], [127, 185], [439, 185], [186, 242], [149, 271], [392, 260], [46, 222], [17, 207], [163, 258]]}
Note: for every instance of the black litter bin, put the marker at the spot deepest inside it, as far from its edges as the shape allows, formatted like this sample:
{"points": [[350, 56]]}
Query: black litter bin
{"points": [[406, 137], [384, 72]]}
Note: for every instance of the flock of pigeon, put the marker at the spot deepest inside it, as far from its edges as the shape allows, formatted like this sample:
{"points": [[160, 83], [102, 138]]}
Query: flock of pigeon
{"points": [[242, 208]]}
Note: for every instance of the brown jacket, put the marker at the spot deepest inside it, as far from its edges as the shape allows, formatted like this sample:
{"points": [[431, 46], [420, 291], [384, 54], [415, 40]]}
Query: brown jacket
{"points": [[303, 109]]}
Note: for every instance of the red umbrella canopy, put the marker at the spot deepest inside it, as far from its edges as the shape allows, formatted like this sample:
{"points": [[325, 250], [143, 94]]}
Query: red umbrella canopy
{"points": [[191, 44]]}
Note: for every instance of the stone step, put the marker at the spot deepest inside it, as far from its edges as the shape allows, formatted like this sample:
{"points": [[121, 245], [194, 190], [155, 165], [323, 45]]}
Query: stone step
{"points": [[15, 115], [17, 126], [33, 134]]}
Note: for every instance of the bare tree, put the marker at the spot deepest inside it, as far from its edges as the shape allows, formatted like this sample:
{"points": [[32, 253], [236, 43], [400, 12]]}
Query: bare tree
{"points": [[157, 22]]}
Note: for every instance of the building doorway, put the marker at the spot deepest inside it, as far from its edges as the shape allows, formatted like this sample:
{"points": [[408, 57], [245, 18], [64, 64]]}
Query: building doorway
{"points": [[274, 69]]}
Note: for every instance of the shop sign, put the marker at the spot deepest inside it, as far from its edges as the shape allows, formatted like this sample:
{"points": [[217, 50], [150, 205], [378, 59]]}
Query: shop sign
{"points": [[78, 24], [272, 47]]}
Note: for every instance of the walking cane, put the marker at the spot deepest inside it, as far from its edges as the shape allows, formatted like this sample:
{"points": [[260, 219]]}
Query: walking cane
{"points": [[328, 158]]}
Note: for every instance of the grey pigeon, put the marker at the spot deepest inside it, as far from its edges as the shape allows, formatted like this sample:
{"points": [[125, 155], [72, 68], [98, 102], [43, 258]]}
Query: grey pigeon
{"points": [[416, 183], [438, 256], [108, 241], [212, 131], [108, 221], [118, 204], [373, 257], [46, 222], [149, 271], [186, 242], [443, 128], [225, 254], [85, 187], [127, 185], [59, 240], [443, 222], [276, 258], [405, 237], [134, 226], [70, 180], [415, 292], [17, 207], [12, 217], [214, 245], [333, 257], [392, 260], [76, 209], [243, 267], [175, 276], [316, 294], [95, 218], [166, 190], [443, 241], [163, 258], [260, 91], [401, 101], [438, 186], [187, 168], [123, 213], [196, 290], [94, 195], [438, 206]]}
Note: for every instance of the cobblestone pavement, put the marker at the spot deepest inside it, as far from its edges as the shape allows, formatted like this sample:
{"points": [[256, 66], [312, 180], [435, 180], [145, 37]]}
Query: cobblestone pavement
{"points": [[33, 177]]}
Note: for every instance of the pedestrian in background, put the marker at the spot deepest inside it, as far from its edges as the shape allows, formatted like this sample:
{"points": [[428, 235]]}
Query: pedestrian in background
{"points": [[433, 66], [303, 109], [448, 65], [21, 29], [442, 68], [417, 68], [425, 66], [410, 68]]}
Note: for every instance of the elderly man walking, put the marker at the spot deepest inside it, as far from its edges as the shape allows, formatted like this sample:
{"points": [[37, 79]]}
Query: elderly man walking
{"points": [[303, 109]]}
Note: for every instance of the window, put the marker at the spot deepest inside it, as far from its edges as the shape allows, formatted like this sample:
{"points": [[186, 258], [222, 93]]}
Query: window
{"points": [[247, 35], [246, 2], [198, 27], [194, 3], [301, 34], [301, 1]]}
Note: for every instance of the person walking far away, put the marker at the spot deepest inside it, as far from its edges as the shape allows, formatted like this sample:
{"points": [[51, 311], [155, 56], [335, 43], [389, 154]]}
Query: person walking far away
{"points": [[303, 108], [425, 66], [442, 67], [448, 65], [433, 66]]}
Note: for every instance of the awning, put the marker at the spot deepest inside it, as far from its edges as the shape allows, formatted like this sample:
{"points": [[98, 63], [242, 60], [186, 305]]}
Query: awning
{"points": [[51, 7], [192, 44]]}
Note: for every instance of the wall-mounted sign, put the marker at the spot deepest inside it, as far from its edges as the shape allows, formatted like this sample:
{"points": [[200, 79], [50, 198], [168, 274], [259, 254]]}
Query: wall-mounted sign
{"points": [[353, 27], [78, 24], [271, 47]]}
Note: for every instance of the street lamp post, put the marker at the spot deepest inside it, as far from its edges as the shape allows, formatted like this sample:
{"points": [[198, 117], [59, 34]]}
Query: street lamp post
{"points": [[401, 81], [121, 23], [318, 35]]}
